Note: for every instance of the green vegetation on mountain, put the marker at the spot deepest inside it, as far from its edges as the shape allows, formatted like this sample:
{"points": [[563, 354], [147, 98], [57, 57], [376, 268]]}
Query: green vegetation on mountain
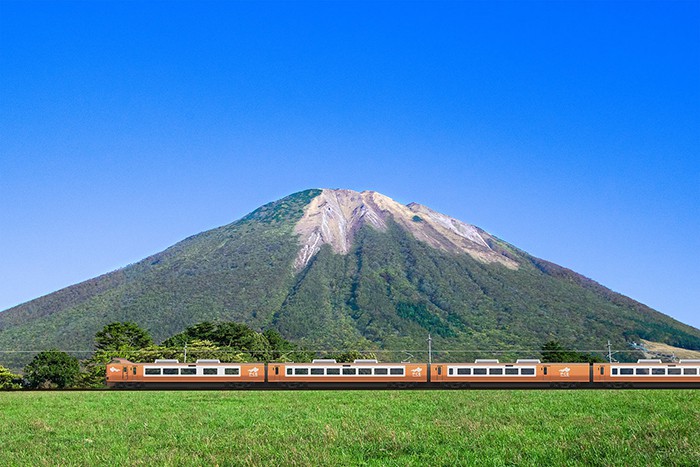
{"points": [[393, 290], [239, 272], [387, 293]]}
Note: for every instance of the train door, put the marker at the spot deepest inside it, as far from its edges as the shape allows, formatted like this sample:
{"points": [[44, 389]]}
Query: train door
{"points": [[128, 373], [599, 373], [438, 374], [274, 372]]}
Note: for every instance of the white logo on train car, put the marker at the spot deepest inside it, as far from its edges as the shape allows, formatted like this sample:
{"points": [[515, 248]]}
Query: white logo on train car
{"points": [[564, 373], [113, 369], [416, 371], [253, 371]]}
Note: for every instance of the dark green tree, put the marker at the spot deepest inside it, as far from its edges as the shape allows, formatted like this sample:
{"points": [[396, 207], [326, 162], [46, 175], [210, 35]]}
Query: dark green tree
{"points": [[553, 352], [126, 335], [234, 338], [224, 334], [52, 369], [277, 342]]}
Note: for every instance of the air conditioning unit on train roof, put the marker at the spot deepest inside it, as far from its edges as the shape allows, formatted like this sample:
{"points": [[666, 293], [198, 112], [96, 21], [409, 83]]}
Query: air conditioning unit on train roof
{"points": [[167, 360], [323, 360], [486, 360], [692, 360], [212, 360], [366, 360], [528, 360], [649, 360]]}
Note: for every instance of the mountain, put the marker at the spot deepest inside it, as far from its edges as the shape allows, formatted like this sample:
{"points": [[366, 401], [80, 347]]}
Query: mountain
{"points": [[337, 269]]}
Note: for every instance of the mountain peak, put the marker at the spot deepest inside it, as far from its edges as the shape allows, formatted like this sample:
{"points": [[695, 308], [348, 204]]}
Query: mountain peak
{"points": [[411, 271], [335, 215]]}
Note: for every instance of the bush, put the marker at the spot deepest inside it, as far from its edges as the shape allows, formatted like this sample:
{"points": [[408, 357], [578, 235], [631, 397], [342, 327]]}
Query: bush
{"points": [[52, 369], [9, 380]]}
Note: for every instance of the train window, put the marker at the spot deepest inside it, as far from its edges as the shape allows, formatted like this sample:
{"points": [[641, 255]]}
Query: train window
{"points": [[690, 371], [289, 372], [133, 370], [301, 371], [479, 371], [332, 371], [614, 371], [381, 371], [210, 371], [348, 371], [512, 371], [451, 371], [642, 371], [626, 371], [527, 371], [495, 371], [396, 371], [232, 371], [674, 371], [170, 371], [464, 371], [364, 371], [658, 371], [152, 371], [318, 371], [188, 371], [545, 370], [277, 370], [439, 370]]}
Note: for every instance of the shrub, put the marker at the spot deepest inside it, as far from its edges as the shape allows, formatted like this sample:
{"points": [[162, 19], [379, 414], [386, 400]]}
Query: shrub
{"points": [[52, 369]]}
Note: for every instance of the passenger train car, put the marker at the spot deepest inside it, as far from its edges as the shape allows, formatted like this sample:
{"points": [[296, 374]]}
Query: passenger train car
{"points": [[371, 374], [171, 374]]}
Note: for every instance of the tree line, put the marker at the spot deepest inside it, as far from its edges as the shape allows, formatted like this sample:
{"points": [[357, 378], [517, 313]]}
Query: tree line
{"points": [[226, 341]]}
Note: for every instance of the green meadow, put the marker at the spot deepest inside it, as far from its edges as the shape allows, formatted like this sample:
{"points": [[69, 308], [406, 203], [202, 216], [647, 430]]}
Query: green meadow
{"points": [[350, 428]]}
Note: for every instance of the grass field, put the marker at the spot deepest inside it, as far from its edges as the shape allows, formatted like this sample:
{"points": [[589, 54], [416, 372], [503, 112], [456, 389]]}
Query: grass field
{"points": [[351, 427]]}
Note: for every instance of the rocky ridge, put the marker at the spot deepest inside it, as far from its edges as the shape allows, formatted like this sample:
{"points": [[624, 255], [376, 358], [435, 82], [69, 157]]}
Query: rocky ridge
{"points": [[335, 216]]}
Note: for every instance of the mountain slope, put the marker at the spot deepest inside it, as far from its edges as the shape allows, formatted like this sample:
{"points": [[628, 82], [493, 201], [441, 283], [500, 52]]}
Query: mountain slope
{"points": [[336, 268]]}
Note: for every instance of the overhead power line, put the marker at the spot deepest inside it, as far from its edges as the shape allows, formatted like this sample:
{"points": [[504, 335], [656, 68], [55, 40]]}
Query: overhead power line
{"points": [[606, 350]]}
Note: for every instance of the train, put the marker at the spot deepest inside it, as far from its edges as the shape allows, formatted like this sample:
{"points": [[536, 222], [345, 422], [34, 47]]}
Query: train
{"points": [[372, 374]]}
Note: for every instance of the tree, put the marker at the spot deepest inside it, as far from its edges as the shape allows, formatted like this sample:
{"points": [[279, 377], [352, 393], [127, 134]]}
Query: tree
{"points": [[8, 380], [553, 352], [237, 339], [52, 368], [223, 334], [118, 336]]}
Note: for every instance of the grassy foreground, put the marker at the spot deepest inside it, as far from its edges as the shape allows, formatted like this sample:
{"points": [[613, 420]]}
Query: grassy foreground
{"points": [[351, 427]]}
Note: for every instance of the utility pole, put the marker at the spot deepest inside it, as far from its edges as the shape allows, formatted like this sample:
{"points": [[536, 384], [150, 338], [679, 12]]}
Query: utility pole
{"points": [[185, 360], [430, 349], [610, 359]]}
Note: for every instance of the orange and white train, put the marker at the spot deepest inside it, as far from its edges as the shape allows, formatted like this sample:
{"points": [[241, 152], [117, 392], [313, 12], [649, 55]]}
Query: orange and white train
{"points": [[371, 374]]}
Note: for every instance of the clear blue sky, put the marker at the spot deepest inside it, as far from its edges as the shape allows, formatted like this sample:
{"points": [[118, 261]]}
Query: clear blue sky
{"points": [[571, 130]]}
